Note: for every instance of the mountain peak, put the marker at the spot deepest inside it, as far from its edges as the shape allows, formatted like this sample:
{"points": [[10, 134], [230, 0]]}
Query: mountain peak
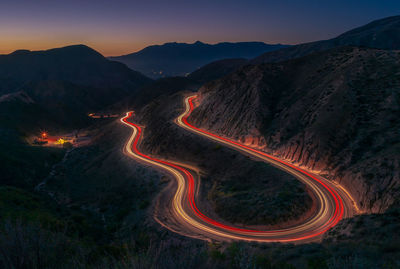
{"points": [[78, 50], [20, 52]]}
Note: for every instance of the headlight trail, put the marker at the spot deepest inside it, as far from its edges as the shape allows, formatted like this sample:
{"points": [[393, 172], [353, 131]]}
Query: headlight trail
{"points": [[332, 203]]}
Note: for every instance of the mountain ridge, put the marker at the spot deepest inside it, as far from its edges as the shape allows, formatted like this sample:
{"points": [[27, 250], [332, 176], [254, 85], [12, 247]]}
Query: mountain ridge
{"points": [[180, 59], [382, 34], [77, 64]]}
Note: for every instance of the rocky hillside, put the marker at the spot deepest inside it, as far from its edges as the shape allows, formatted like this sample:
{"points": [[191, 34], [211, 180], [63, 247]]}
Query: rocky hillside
{"points": [[381, 34], [238, 190], [179, 59], [338, 114]]}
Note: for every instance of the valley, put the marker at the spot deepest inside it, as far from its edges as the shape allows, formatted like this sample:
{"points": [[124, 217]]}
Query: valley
{"points": [[225, 155]]}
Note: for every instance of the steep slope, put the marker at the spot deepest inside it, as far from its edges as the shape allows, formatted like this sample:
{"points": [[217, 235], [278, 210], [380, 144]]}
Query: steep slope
{"points": [[382, 34], [338, 114], [238, 189], [179, 59]]}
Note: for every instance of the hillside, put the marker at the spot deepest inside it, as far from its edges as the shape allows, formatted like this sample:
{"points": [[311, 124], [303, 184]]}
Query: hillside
{"points": [[338, 114], [64, 84], [180, 59], [381, 34], [231, 189], [76, 64]]}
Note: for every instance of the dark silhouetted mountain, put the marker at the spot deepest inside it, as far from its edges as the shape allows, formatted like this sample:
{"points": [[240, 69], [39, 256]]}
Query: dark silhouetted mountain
{"points": [[77, 64], [381, 34], [335, 112], [66, 83], [180, 59]]}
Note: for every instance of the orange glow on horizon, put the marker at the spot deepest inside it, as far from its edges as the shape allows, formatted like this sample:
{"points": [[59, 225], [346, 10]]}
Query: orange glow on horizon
{"points": [[105, 51], [107, 47], [11, 43]]}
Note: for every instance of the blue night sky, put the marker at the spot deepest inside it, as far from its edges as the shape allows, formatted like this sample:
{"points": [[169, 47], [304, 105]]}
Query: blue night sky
{"points": [[118, 26]]}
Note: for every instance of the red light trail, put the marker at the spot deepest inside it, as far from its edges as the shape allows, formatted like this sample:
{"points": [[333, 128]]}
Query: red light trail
{"points": [[330, 209]]}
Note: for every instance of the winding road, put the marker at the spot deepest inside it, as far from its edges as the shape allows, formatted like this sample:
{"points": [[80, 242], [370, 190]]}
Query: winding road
{"points": [[332, 201]]}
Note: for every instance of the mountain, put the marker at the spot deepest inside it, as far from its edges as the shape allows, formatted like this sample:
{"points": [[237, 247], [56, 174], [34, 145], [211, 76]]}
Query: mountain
{"points": [[179, 59], [64, 84], [76, 64], [381, 34], [338, 114]]}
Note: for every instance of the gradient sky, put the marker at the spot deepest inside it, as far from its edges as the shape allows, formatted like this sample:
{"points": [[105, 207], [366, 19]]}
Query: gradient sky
{"points": [[118, 27]]}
